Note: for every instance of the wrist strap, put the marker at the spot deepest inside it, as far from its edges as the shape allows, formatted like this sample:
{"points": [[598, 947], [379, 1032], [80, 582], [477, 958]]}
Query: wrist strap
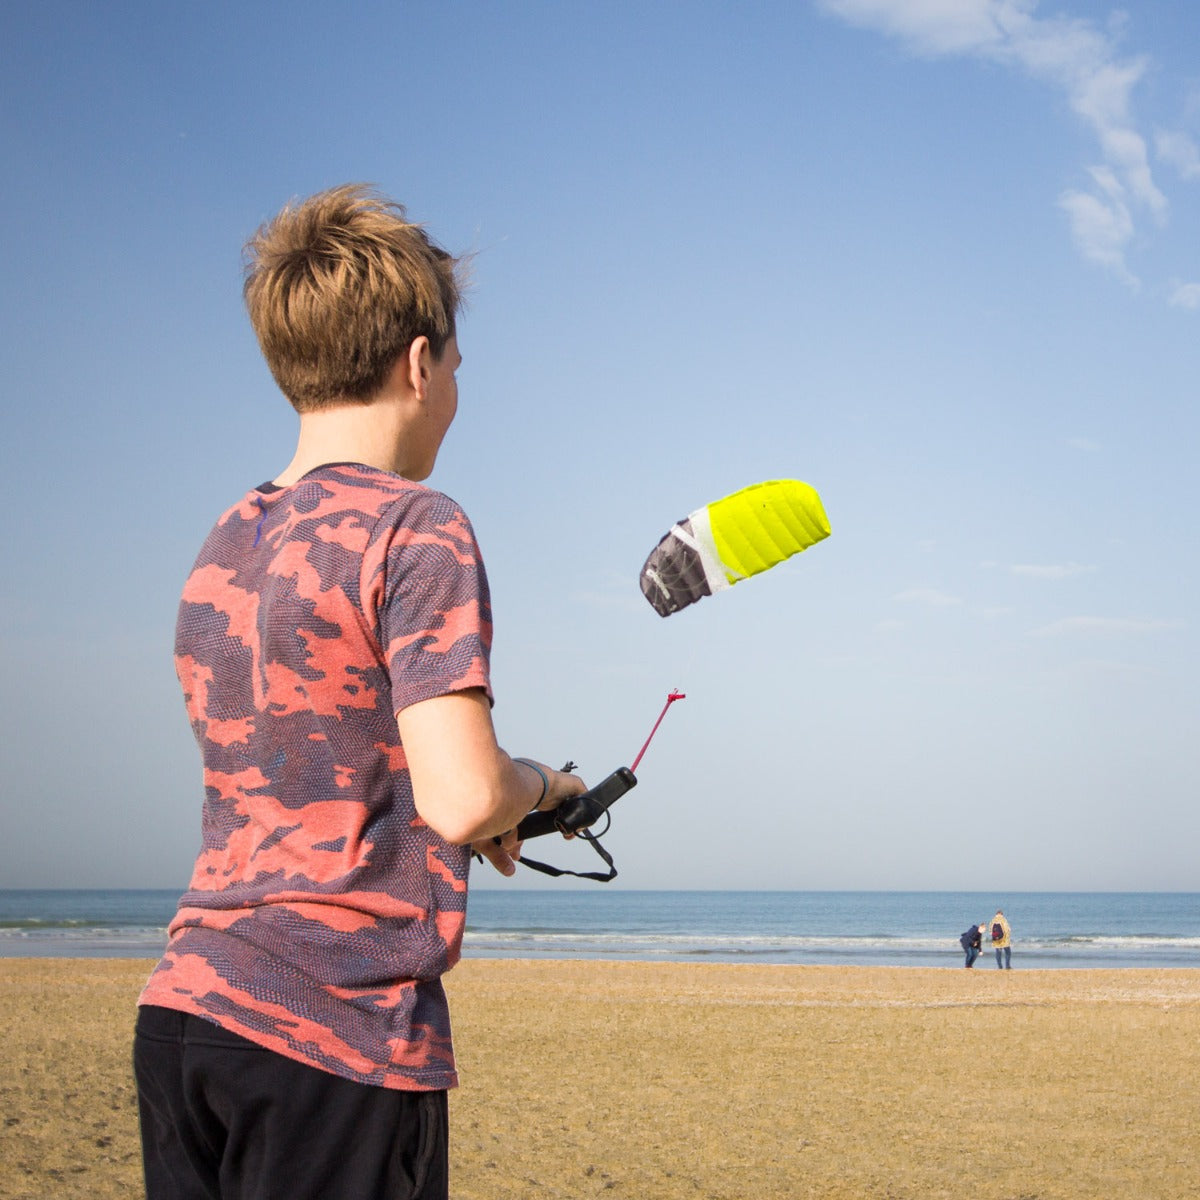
{"points": [[594, 841]]}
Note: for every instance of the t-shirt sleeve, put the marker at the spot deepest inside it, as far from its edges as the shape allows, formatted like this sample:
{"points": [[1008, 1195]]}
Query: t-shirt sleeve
{"points": [[435, 620]]}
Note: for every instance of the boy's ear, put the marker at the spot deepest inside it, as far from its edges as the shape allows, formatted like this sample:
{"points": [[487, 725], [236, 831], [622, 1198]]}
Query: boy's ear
{"points": [[418, 361]]}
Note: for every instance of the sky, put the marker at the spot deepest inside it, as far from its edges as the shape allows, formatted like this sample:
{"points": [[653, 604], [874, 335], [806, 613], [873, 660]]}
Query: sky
{"points": [[938, 258]]}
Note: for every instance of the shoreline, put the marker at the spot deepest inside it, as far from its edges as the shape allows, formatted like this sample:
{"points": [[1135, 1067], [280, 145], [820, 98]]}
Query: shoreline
{"points": [[29, 950], [667, 1081], [854, 929]]}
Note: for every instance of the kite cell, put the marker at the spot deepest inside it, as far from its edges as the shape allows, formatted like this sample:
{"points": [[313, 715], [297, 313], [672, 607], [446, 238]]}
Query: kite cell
{"points": [[730, 540]]}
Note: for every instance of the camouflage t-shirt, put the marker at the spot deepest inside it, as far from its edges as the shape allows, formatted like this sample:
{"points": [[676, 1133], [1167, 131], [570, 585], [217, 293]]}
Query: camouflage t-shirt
{"points": [[323, 911]]}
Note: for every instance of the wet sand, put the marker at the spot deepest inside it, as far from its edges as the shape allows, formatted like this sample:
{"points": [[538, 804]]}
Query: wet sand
{"points": [[654, 1081]]}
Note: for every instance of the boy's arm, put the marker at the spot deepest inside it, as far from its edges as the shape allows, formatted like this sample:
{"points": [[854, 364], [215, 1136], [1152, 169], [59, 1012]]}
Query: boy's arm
{"points": [[466, 788]]}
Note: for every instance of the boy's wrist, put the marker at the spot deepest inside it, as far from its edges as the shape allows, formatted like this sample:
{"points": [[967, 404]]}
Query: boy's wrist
{"points": [[525, 762]]}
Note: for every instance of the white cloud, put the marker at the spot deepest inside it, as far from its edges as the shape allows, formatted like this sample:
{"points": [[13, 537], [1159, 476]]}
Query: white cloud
{"points": [[1101, 225], [928, 596], [930, 26], [1070, 54], [1185, 295], [1179, 151], [612, 593], [1051, 571], [1104, 625], [1087, 445], [1100, 93]]}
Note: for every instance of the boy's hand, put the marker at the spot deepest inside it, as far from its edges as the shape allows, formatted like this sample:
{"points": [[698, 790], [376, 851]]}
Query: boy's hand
{"points": [[501, 852]]}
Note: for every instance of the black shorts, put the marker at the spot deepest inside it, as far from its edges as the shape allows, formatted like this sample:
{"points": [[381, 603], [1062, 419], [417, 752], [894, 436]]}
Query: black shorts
{"points": [[225, 1119]]}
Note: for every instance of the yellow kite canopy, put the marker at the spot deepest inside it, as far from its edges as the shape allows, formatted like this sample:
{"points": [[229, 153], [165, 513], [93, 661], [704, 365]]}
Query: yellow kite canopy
{"points": [[732, 539]]}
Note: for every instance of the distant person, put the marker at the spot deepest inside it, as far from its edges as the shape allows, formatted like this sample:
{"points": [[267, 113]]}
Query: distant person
{"points": [[972, 944], [333, 645], [1002, 940]]}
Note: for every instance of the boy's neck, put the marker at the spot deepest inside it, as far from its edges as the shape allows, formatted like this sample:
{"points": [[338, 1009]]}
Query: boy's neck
{"points": [[396, 430], [375, 434], [342, 434]]}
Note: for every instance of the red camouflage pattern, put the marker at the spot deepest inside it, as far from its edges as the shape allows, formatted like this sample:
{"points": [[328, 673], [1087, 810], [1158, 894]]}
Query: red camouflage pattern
{"points": [[322, 910]]}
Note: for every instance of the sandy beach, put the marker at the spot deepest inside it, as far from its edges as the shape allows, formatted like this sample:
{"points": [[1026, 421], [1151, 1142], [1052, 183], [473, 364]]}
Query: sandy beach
{"points": [[649, 1081]]}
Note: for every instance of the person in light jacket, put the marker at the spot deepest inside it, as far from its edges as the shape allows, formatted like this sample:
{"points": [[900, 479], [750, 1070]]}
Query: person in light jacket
{"points": [[1002, 944]]}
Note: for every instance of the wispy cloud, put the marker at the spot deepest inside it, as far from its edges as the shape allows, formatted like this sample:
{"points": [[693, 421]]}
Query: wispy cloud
{"points": [[1179, 151], [1084, 444], [992, 612], [611, 592], [1073, 55], [1070, 626], [930, 597], [1185, 295], [1101, 223], [1051, 571]]}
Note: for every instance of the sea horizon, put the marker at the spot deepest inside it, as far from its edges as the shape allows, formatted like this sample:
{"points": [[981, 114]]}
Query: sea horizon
{"points": [[1051, 929]]}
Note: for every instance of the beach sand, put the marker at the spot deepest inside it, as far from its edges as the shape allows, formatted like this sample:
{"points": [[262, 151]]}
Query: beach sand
{"points": [[654, 1081]]}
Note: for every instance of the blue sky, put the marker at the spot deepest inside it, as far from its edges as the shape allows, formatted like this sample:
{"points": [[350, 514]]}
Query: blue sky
{"points": [[938, 258]]}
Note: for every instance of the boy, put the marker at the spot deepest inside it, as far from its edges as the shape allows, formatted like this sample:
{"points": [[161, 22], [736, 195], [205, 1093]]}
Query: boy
{"points": [[332, 644]]}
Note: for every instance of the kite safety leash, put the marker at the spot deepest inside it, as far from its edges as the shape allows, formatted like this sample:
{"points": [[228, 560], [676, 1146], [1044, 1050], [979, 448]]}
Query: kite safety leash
{"points": [[575, 815]]}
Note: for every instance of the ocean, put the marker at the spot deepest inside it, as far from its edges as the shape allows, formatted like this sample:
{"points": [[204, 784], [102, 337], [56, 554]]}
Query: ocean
{"points": [[895, 929]]}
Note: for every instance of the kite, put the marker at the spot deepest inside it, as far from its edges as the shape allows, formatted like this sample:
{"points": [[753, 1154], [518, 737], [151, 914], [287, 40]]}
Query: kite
{"points": [[730, 540], [711, 549]]}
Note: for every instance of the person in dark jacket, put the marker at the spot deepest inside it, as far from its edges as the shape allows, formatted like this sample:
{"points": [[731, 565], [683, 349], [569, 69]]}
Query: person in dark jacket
{"points": [[972, 944]]}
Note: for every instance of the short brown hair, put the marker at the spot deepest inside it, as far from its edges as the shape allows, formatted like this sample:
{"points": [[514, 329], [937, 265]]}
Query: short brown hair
{"points": [[338, 287]]}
